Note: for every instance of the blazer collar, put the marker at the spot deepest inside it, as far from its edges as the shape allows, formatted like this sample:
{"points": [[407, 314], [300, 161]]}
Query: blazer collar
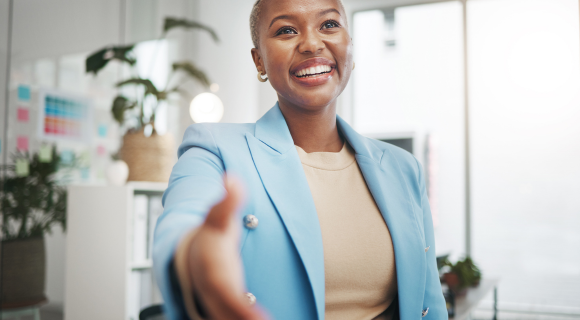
{"points": [[272, 130]]}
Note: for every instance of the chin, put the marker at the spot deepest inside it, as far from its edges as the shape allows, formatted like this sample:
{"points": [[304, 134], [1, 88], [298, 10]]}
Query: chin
{"points": [[314, 101]]}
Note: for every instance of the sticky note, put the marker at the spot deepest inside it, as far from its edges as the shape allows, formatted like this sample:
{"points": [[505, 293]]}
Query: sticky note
{"points": [[22, 167], [66, 157], [101, 151], [23, 93], [85, 173], [22, 114], [102, 130], [84, 157], [45, 154], [22, 143]]}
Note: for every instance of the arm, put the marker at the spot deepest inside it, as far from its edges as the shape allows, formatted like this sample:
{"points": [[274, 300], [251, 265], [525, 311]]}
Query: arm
{"points": [[433, 298], [194, 186]]}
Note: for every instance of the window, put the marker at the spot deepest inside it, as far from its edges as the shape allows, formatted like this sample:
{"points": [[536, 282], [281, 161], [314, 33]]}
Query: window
{"points": [[524, 103]]}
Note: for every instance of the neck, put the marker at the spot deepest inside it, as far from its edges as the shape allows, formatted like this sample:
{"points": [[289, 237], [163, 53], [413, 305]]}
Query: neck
{"points": [[313, 130]]}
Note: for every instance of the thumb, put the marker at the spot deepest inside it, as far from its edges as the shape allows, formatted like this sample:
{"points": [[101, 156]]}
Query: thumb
{"points": [[224, 211]]}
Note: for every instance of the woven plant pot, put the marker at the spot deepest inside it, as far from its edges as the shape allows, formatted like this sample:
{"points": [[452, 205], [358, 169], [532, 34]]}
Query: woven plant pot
{"points": [[23, 273], [149, 158]]}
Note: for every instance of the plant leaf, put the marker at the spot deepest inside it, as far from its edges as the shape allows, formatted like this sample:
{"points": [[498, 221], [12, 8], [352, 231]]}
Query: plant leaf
{"points": [[98, 60], [120, 105], [192, 71], [171, 23], [149, 86]]}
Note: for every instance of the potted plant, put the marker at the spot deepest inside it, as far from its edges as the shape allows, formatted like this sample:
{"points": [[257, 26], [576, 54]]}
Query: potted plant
{"points": [[148, 155], [32, 203], [461, 275]]}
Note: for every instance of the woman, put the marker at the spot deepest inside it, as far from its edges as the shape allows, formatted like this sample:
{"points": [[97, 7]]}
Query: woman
{"points": [[334, 225]]}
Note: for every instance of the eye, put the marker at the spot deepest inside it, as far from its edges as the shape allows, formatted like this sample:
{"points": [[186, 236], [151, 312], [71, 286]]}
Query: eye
{"points": [[330, 24], [286, 30]]}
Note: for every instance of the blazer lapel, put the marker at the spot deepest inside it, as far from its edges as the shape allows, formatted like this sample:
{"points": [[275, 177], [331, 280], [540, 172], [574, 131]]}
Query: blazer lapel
{"points": [[386, 183], [281, 171]]}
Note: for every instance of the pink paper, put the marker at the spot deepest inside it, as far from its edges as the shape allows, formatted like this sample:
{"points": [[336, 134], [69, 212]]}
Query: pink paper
{"points": [[22, 114], [101, 150], [22, 143]]}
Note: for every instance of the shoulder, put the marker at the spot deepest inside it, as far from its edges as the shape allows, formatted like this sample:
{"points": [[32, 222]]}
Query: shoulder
{"points": [[393, 155], [213, 136]]}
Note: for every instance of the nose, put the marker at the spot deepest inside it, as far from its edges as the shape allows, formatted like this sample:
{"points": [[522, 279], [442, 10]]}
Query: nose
{"points": [[311, 43]]}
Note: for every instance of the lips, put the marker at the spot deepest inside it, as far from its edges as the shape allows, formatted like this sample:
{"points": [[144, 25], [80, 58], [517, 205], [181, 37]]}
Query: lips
{"points": [[314, 71]]}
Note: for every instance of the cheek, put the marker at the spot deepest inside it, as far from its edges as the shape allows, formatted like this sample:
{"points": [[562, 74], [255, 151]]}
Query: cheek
{"points": [[278, 60]]}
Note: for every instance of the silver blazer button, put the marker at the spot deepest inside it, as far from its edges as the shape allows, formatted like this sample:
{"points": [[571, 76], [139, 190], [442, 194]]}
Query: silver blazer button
{"points": [[424, 313], [251, 298], [427, 249], [251, 222]]}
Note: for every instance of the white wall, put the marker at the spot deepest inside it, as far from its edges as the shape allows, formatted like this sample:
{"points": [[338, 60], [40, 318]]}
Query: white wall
{"points": [[230, 63]]}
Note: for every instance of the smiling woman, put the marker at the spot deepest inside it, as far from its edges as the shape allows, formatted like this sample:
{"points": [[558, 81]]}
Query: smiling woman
{"points": [[335, 225]]}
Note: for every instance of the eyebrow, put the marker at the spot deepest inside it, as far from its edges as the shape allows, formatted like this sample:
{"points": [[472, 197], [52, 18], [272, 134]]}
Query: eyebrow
{"points": [[320, 14]]}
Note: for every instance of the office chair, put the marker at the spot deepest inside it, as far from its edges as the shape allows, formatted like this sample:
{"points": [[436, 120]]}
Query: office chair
{"points": [[154, 312]]}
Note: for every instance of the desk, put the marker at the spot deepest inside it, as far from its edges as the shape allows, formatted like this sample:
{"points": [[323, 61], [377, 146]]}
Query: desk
{"points": [[466, 304]]}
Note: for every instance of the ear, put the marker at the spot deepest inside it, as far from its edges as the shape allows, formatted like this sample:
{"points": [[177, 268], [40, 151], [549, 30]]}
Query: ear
{"points": [[258, 60]]}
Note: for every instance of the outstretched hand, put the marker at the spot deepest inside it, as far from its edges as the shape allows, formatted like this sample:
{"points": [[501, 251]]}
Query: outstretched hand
{"points": [[214, 263]]}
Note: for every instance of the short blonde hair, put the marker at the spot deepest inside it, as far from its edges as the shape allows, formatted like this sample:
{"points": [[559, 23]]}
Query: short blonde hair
{"points": [[255, 19]]}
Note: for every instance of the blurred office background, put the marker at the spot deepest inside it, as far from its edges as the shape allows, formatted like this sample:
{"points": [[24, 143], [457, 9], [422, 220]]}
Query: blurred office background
{"points": [[485, 93]]}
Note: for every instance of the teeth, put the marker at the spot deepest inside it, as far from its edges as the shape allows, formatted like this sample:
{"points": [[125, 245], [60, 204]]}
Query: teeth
{"points": [[313, 70]]}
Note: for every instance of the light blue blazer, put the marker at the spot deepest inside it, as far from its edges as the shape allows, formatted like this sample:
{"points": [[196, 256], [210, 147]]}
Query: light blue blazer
{"points": [[283, 257]]}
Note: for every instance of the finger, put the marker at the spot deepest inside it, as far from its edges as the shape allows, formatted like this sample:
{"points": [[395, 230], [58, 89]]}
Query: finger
{"points": [[224, 211]]}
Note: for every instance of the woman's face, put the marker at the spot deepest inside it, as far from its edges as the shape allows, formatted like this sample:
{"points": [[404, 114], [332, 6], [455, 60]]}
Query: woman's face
{"points": [[306, 51]]}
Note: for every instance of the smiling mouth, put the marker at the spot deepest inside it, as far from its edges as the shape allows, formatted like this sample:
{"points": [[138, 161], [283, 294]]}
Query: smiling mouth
{"points": [[313, 71]]}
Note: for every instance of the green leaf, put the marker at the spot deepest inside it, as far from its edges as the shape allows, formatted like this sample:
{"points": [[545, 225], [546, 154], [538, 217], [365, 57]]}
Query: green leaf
{"points": [[98, 60], [171, 23], [149, 86], [192, 71], [120, 105]]}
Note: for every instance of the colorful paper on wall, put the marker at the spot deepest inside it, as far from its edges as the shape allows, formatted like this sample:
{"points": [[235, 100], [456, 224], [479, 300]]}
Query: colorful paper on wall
{"points": [[64, 116], [22, 143], [103, 130], [85, 173], [22, 167], [45, 154], [22, 114], [23, 93], [66, 157], [84, 158], [101, 150]]}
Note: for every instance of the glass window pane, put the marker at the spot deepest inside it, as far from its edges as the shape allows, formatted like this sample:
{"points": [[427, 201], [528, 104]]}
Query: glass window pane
{"points": [[408, 81], [525, 138]]}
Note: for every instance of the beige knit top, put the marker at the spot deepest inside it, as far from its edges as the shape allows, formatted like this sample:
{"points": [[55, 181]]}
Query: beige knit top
{"points": [[359, 260]]}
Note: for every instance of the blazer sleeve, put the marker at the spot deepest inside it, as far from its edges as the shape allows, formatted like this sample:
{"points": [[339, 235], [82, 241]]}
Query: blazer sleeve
{"points": [[433, 298], [194, 186]]}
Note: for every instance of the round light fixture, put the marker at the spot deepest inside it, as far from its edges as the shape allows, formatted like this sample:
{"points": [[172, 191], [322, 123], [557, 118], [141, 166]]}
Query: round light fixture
{"points": [[206, 107]]}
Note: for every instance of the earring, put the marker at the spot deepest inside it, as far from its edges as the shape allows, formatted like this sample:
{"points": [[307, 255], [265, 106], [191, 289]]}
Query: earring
{"points": [[260, 74], [353, 65]]}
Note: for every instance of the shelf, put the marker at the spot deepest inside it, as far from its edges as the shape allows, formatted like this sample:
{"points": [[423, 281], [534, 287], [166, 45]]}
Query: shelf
{"points": [[147, 264], [146, 186]]}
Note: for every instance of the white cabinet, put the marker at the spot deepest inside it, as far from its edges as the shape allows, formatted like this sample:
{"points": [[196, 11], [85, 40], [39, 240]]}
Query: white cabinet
{"points": [[108, 265]]}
